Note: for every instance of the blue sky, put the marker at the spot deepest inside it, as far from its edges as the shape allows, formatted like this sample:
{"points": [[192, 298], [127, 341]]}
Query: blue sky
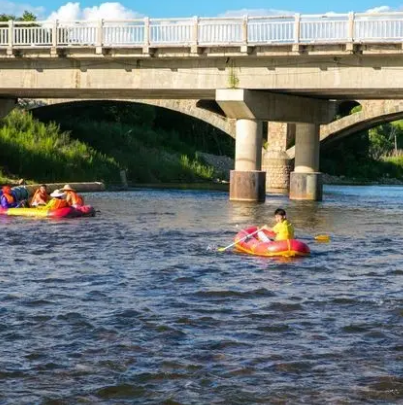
{"points": [[187, 8]]}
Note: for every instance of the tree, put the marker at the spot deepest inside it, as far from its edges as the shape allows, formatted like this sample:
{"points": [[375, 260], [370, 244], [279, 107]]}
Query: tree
{"points": [[26, 16], [6, 17]]}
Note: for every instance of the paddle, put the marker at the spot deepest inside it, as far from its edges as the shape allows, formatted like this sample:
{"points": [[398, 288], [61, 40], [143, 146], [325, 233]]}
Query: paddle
{"points": [[222, 249], [322, 238]]}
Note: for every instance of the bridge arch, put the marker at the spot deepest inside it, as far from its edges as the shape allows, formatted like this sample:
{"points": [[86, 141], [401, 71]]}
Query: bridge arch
{"points": [[345, 107], [187, 107]]}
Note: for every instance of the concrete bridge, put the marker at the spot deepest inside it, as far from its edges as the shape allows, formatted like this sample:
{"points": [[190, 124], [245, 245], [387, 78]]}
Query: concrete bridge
{"points": [[286, 69]]}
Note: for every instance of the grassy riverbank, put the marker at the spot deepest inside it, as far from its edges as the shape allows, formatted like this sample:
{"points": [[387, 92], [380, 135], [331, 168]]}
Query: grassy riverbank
{"points": [[42, 152], [95, 141], [86, 149]]}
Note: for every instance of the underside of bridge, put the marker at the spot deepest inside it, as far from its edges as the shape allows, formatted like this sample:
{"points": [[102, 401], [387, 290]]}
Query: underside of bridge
{"points": [[303, 121]]}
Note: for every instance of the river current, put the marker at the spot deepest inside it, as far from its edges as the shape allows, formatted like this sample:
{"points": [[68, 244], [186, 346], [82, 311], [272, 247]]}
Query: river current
{"points": [[136, 306]]}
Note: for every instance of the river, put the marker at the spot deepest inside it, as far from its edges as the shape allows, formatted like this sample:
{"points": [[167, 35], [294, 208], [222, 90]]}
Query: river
{"points": [[136, 306]]}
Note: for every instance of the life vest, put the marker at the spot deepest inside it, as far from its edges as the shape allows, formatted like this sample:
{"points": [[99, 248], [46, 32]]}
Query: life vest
{"points": [[57, 203], [10, 198], [74, 199]]}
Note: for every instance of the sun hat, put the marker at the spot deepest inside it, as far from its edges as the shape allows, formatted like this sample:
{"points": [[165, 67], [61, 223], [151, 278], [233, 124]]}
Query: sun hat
{"points": [[67, 187], [57, 194]]}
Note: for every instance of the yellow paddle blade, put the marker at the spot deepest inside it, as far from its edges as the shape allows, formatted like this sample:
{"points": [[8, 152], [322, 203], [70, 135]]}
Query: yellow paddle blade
{"points": [[322, 238], [221, 249]]}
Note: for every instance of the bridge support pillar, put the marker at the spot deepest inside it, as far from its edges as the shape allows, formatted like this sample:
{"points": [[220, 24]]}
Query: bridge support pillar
{"points": [[6, 105], [306, 181], [247, 181], [276, 162]]}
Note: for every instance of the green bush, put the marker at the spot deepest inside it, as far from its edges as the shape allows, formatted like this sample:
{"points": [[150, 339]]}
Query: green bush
{"points": [[43, 152], [49, 152]]}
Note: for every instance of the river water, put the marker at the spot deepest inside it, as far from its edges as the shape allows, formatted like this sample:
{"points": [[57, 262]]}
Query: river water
{"points": [[136, 306]]}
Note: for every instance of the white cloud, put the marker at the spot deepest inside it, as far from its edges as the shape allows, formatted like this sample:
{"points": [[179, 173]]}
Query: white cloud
{"points": [[17, 9], [110, 11], [380, 9], [255, 12]]}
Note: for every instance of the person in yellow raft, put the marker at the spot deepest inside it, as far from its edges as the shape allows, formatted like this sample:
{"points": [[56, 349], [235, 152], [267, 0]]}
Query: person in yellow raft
{"points": [[283, 229], [41, 196], [58, 201], [73, 199]]}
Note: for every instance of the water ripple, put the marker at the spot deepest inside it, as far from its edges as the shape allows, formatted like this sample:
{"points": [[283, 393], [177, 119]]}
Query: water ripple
{"points": [[137, 306]]}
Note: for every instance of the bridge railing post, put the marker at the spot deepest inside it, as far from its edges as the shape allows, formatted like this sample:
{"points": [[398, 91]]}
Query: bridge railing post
{"points": [[146, 45], [245, 35], [100, 36], [195, 35], [350, 32], [54, 34], [351, 23], [245, 30], [297, 32], [10, 37]]}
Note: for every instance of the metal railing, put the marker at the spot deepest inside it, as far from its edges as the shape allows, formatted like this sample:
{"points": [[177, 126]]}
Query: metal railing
{"points": [[290, 29]]}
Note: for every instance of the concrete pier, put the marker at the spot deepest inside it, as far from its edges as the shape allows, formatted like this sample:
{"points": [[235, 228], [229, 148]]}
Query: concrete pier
{"points": [[247, 181], [275, 162], [305, 180], [248, 186]]}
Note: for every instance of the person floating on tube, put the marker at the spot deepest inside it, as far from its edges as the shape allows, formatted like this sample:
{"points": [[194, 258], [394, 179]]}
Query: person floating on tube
{"points": [[283, 230], [73, 199]]}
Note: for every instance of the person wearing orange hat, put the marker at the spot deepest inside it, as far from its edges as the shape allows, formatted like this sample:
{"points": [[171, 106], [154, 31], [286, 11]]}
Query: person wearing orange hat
{"points": [[41, 196], [73, 199], [7, 200]]}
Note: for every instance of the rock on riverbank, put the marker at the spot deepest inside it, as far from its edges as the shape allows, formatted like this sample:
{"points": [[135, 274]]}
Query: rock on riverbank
{"points": [[222, 164]]}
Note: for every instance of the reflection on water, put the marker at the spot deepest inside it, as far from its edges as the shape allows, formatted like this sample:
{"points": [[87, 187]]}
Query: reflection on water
{"points": [[137, 306]]}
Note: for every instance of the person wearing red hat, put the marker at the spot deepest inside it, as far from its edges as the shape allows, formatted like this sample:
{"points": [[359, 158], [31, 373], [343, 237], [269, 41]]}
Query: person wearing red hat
{"points": [[7, 200]]}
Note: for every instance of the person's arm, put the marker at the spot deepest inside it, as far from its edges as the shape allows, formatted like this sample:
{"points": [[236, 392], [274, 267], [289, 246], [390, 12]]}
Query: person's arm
{"points": [[41, 201], [269, 231]]}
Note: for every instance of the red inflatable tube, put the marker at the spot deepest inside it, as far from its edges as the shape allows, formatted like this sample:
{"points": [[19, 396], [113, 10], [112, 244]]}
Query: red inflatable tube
{"points": [[70, 212], [253, 246]]}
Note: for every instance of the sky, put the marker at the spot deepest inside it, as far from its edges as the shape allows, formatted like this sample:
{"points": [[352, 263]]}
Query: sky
{"points": [[90, 9]]}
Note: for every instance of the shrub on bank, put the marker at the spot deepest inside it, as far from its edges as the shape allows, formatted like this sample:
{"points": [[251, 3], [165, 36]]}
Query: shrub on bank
{"points": [[148, 155], [43, 152], [98, 151], [393, 165]]}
